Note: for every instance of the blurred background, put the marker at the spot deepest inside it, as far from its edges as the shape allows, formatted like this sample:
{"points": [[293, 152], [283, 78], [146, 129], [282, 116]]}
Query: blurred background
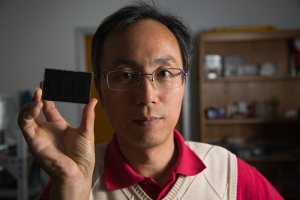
{"points": [[35, 35]]}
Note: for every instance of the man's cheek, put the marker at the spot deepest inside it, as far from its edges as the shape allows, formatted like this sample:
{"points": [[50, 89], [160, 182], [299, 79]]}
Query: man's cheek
{"points": [[172, 97]]}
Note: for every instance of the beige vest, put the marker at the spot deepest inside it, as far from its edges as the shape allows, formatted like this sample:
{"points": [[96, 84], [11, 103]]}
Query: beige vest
{"points": [[217, 181]]}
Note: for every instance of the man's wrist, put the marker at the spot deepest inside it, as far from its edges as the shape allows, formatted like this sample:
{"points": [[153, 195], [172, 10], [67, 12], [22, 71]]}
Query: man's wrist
{"points": [[76, 189]]}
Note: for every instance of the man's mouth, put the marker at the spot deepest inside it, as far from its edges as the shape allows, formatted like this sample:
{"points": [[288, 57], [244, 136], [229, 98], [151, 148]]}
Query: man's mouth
{"points": [[147, 121]]}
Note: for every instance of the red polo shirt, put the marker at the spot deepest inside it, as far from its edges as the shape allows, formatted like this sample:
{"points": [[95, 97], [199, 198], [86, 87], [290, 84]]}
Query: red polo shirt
{"points": [[118, 174], [117, 169]]}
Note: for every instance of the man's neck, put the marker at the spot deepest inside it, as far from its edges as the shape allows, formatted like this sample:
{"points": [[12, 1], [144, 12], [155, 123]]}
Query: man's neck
{"points": [[155, 162]]}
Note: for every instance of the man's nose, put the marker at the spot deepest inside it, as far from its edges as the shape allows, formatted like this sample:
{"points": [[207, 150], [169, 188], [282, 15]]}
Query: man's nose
{"points": [[146, 93]]}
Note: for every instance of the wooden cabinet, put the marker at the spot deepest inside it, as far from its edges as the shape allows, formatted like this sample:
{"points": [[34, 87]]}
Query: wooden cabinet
{"points": [[270, 144]]}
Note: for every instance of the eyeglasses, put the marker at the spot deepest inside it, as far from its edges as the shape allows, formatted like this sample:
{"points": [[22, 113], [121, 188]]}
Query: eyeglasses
{"points": [[169, 78]]}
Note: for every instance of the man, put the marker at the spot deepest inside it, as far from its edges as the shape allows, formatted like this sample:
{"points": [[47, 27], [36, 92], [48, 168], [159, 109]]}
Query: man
{"points": [[140, 58]]}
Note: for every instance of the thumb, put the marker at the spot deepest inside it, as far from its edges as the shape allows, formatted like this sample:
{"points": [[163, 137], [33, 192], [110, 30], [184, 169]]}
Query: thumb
{"points": [[88, 117]]}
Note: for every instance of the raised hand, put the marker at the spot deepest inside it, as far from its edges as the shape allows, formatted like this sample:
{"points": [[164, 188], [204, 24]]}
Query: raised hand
{"points": [[65, 153]]}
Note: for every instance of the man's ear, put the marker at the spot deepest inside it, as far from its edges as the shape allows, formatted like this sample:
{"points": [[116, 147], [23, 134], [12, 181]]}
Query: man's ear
{"points": [[98, 88]]}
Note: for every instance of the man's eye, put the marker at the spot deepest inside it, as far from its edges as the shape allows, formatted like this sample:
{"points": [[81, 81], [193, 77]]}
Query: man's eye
{"points": [[163, 73], [126, 75]]}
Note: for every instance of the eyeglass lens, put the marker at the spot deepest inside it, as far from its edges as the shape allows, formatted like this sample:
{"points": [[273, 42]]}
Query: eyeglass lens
{"points": [[128, 80]]}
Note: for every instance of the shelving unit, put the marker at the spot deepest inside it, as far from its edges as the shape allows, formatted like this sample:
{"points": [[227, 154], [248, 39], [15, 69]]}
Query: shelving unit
{"points": [[18, 167], [251, 79], [250, 121], [272, 159], [257, 47]]}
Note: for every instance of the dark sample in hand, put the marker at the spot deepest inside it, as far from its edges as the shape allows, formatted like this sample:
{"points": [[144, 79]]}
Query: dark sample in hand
{"points": [[67, 86]]}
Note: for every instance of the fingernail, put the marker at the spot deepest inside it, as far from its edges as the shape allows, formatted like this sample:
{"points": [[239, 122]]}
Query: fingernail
{"points": [[34, 94], [95, 104]]}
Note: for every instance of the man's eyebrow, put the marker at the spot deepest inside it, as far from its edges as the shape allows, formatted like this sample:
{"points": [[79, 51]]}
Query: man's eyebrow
{"points": [[164, 60], [158, 61], [119, 62]]}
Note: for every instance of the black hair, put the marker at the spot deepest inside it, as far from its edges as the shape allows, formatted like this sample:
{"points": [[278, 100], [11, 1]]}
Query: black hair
{"points": [[140, 11]]}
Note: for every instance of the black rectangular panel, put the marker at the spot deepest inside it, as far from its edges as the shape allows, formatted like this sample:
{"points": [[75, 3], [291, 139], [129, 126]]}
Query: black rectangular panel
{"points": [[67, 86]]}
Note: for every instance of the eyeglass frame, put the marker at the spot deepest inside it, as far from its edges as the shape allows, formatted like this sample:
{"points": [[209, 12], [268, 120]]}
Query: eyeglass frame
{"points": [[184, 74]]}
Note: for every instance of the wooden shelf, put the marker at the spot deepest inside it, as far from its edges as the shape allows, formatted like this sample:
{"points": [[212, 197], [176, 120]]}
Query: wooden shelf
{"points": [[273, 159], [247, 121], [250, 36], [256, 47], [252, 79]]}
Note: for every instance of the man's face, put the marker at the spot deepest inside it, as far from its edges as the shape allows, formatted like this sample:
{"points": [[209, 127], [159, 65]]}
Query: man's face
{"points": [[144, 117]]}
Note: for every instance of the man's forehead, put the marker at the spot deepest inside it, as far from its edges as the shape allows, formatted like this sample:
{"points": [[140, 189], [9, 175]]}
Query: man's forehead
{"points": [[140, 25], [147, 42]]}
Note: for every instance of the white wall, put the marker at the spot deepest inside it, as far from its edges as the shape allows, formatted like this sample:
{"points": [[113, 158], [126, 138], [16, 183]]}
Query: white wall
{"points": [[41, 34]]}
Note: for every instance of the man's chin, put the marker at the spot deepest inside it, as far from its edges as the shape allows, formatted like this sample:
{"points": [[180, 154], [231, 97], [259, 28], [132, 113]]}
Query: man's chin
{"points": [[149, 139]]}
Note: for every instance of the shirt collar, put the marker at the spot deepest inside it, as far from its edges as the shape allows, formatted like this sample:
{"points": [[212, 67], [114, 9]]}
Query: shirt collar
{"points": [[118, 173]]}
